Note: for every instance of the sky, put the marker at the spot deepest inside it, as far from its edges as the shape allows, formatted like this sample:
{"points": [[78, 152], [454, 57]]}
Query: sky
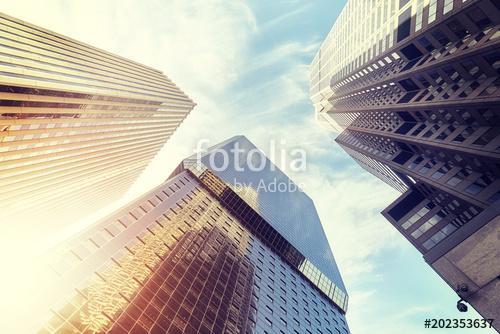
{"points": [[245, 64]]}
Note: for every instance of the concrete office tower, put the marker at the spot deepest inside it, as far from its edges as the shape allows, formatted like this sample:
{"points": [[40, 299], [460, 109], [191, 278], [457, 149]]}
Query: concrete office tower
{"points": [[413, 87], [208, 251], [77, 124]]}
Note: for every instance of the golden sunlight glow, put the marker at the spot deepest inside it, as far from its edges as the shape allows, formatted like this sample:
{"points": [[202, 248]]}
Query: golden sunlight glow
{"points": [[98, 303]]}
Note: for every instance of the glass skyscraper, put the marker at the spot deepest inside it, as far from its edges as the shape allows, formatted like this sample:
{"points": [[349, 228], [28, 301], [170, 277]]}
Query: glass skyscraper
{"points": [[413, 87], [211, 250], [77, 124]]}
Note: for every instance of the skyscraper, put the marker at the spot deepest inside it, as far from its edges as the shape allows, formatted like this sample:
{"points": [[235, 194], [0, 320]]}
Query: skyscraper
{"points": [[212, 250], [77, 124], [413, 87]]}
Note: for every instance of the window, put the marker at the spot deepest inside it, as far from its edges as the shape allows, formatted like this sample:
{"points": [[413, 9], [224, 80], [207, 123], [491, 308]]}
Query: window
{"points": [[495, 197], [402, 157], [439, 236], [458, 177], [404, 25], [432, 11], [100, 238], [413, 219], [426, 168], [474, 189], [114, 228], [427, 225], [402, 3], [415, 162], [419, 16], [441, 171], [448, 5], [479, 185]]}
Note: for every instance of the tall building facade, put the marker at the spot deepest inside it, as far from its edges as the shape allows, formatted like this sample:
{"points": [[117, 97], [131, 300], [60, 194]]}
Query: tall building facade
{"points": [[77, 124], [208, 251], [413, 87]]}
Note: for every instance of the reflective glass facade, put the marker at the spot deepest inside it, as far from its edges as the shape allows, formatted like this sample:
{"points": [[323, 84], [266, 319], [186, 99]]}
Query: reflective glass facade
{"points": [[191, 256], [77, 124], [258, 181]]}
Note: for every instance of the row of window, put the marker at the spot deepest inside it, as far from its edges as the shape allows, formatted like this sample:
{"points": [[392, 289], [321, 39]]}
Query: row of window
{"points": [[170, 235]]}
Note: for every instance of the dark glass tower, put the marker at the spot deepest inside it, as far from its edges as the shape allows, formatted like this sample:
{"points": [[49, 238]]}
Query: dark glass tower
{"points": [[416, 100], [208, 251]]}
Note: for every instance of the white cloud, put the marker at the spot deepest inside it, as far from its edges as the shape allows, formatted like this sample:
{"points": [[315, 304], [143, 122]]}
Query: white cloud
{"points": [[284, 17], [351, 216], [284, 54], [406, 313]]}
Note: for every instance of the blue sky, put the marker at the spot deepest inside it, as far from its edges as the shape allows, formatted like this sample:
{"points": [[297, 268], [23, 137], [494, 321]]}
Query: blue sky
{"points": [[246, 65]]}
